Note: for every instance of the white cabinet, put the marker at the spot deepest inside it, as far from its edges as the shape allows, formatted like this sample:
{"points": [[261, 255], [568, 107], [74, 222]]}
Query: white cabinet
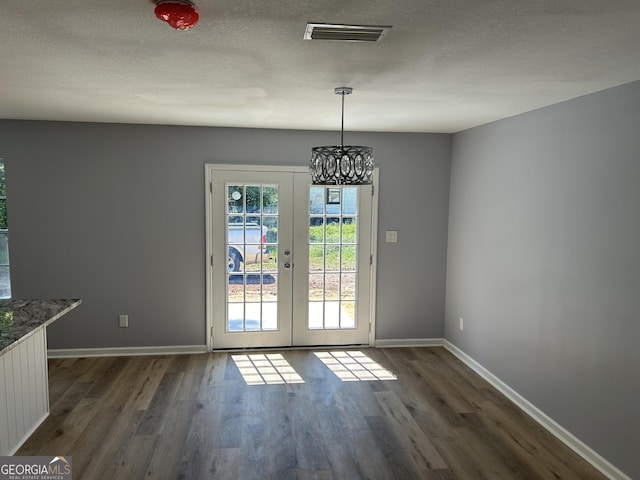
{"points": [[24, 397]]}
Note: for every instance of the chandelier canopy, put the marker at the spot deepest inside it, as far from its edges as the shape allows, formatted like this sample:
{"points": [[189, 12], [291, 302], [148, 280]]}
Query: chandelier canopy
{"points": [[341, 164]]}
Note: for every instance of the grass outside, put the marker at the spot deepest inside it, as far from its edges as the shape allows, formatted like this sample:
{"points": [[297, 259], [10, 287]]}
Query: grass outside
{"points": [[337, 255], [322, 257]]}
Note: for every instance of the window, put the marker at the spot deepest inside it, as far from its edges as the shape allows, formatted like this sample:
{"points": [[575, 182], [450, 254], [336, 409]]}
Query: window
{"points": [[5, 281]]}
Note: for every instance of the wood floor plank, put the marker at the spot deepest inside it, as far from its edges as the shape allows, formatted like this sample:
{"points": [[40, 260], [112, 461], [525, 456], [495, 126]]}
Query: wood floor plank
{"points": [[493, 457], [213, 375], [279, 446], [359, 438], [459, 462], [192, 374], [451, 389], [231, 417], [160, 406], [523, 445], [168, 452], [412, 438], [226, 464], [135, 459], [397, 461], [302, 474], [342, 462], [70, 427], [305, 428], [66, 372], [147, 384], [109, 369], [196, 417], [199, 446], [253, 452], [97, 448], [422, 394], [120, 382]]}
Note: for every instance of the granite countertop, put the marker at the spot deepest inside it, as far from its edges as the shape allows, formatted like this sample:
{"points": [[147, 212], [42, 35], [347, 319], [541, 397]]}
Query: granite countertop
{"points": [[19, 318]]}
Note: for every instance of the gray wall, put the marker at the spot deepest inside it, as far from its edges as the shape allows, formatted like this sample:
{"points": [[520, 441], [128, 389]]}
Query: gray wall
{"points": [[544, 262], [114, 214]]}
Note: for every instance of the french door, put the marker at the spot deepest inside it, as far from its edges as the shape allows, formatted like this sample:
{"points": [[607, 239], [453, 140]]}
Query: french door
{"points": [[290, 263]]}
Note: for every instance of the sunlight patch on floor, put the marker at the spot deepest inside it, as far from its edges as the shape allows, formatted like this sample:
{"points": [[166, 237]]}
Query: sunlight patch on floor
{"points": [[354, 366], [266, 369]]}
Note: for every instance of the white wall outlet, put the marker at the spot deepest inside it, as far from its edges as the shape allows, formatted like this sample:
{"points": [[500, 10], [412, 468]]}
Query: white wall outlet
{"points": [[124, 321], [392, 236], [461, 324]]}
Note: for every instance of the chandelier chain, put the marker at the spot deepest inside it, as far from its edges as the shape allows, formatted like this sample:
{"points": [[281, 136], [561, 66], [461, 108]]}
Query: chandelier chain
{"points": [[342, 124]]}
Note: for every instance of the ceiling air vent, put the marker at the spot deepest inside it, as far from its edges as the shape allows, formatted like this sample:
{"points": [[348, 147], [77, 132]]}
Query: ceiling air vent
{"points": [[345, 33]]}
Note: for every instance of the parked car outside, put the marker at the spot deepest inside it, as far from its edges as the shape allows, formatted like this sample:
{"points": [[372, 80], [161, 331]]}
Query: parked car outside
{"points": [[247, 244]]}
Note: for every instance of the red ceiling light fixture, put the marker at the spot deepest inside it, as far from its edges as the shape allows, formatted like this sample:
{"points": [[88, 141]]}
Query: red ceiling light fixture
{"points": [[180, 14]]}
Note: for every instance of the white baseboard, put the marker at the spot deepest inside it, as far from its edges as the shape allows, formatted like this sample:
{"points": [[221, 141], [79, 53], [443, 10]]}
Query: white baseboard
{"points": [[539, 416], [126, 351], [409, 342]]}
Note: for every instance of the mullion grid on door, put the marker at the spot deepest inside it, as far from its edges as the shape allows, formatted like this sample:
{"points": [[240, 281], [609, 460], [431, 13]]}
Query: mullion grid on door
{"points": [[246, 206], [329, 239]]}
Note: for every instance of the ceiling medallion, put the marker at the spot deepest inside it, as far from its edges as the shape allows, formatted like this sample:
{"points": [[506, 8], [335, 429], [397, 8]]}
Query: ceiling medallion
{"points": [[341, 164]]}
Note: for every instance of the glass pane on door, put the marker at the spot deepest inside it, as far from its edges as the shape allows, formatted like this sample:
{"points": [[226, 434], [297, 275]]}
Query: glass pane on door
{"points": [[333, 253], [252, 246]]}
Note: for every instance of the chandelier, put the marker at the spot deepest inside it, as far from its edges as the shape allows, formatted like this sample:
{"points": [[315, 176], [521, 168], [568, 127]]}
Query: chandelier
{"points": [[341, 164]]}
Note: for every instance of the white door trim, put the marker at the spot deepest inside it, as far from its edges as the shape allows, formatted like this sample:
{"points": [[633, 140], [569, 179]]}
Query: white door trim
{"points": [[374, 257], [210, 169]]}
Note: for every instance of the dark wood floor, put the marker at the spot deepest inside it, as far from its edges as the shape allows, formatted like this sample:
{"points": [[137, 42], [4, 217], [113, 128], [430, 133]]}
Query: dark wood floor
{"points": [[196, 417]]}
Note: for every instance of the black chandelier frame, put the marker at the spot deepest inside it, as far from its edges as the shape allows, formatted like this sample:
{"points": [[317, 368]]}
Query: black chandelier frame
{"points": [[341, 164]]}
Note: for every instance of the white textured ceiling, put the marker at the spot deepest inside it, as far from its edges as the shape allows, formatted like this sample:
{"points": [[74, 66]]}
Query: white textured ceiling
{"points": [[446, 65]]}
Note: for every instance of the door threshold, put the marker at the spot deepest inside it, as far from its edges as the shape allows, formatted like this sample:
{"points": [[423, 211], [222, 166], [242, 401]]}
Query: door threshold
{"points": [[298, 347]]}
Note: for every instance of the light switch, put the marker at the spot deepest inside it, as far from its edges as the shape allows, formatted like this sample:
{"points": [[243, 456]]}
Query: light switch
{"points": [[392, 236]]}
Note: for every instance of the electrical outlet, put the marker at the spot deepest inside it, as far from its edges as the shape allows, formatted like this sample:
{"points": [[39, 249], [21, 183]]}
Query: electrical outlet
{"points": [[391, 236], [461, 324], [124, 321]]}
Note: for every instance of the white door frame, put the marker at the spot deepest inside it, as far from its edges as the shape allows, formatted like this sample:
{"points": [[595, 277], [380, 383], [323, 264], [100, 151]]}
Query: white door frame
{"points": [[210, 169]]}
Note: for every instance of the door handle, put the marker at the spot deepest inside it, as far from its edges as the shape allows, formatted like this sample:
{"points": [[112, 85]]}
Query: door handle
{"points": [[287, 265]]}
